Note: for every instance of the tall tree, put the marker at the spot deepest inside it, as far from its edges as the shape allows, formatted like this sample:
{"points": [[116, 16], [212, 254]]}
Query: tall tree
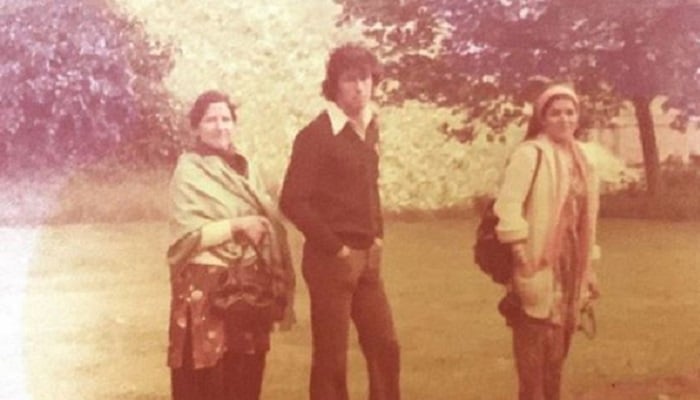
{"points": [[479, 57]]}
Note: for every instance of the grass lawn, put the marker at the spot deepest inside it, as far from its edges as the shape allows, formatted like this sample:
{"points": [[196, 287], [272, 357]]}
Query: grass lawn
{"points": [[96, 306]]}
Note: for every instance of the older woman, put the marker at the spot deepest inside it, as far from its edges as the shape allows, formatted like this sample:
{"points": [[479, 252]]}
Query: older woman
{"points": [[547, 209], [225, 235]]}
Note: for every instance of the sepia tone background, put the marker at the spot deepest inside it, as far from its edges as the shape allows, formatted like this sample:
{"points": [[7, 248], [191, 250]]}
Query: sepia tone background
{"points": [[94, 98]]}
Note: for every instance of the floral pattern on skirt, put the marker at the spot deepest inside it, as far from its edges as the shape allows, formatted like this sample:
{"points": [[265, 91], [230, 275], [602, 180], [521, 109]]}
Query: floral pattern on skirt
{"points": [[191, 285]]}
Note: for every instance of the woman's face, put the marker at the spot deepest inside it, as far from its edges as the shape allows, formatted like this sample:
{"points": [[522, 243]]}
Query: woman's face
{"points": [[217, 126], [560, 120]]}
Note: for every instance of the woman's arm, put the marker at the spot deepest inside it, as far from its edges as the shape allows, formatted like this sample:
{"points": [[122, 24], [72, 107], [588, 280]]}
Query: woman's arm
{"points": [[191, 231], [509, 206]]}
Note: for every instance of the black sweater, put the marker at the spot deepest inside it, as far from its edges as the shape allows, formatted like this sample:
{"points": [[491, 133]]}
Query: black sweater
{"points": [[330, 189]]}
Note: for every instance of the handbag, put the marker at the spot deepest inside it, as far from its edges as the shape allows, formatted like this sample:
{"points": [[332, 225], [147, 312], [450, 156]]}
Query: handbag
{"points": [[244, 298]]}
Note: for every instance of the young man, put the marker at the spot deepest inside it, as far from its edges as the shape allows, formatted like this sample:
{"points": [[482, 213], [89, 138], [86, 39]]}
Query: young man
{"points": [[330, 193]]}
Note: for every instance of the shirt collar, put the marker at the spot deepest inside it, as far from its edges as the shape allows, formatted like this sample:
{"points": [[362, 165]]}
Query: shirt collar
{"points": [[339, 119]]}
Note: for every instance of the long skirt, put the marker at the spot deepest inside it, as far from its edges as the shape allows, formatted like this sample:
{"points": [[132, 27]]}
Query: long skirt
{"points": [[237, 376]]}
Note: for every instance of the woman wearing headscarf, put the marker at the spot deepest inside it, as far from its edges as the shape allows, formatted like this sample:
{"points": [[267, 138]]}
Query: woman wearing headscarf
{"points": [[230, 270], [547, 208]]}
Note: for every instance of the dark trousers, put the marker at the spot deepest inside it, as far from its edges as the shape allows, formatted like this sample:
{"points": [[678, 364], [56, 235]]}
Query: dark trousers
{"points": [[540, 349], [237, 376], [341, 290]]}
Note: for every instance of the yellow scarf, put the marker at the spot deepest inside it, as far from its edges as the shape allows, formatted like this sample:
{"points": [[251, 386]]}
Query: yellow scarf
{"points": [[205, 188]]}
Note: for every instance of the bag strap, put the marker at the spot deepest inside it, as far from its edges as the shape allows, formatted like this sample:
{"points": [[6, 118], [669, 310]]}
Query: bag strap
{"points": [[247, 243], [534, 175]]}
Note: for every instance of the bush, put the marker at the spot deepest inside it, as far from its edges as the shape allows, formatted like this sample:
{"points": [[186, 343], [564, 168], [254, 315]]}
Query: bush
{"points": [[104, 193], [679, 198], [81, 80]]}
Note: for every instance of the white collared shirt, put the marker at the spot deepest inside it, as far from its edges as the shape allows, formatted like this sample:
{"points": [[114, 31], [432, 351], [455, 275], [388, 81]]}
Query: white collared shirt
{"points": [[339, 119]]}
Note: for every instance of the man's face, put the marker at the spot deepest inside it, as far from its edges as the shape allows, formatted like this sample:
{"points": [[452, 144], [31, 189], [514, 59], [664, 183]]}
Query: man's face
{"points": [[354, 90]]}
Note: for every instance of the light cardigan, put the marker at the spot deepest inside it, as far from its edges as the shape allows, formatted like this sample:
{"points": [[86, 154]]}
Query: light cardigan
{"points": [[535, 222]]}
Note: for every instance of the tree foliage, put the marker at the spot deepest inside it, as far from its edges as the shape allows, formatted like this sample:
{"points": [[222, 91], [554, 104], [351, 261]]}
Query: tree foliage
{"points": [[480, 56], [80, 79], [269, 57]]}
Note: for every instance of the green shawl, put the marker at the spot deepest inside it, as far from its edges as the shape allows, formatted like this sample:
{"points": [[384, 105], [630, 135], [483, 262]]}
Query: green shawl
{"points": [[206, 188]]}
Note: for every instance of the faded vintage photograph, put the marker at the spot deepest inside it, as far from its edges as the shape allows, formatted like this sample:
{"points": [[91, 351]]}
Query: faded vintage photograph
{"points": [[350, 199]]}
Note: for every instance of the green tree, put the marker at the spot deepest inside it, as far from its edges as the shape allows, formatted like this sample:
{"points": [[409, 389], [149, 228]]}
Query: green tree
{"points": [[80, 80], [479, 57]]}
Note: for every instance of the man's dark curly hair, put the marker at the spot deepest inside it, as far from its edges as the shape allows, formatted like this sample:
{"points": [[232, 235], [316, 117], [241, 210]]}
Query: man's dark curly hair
{"points": [[347, 57]]}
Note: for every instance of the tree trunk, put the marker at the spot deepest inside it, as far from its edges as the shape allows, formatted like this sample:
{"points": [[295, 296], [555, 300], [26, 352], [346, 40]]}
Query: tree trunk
{"points": [[647, 137]]}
